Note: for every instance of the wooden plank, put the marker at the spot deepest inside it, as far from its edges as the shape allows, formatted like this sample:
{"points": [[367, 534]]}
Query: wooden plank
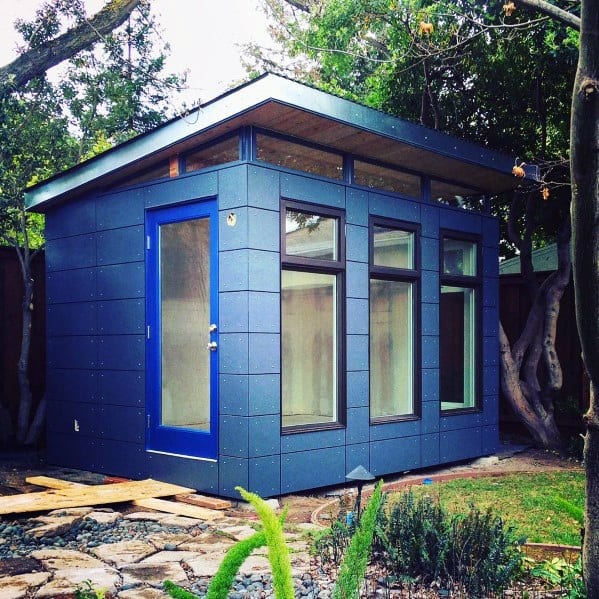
{"points": [[160, 505], [214, 503], [73, 496]]}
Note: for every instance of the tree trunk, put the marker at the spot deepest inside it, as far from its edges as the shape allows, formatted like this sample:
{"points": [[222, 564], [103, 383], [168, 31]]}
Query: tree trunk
{"points": [[584, 161]]}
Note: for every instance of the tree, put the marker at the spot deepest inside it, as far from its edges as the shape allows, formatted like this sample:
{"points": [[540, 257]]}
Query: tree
{"points": [[113, 89]]}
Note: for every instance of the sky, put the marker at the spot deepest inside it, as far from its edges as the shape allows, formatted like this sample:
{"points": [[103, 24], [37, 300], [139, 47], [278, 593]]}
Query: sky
{"points": [[205, 37]]}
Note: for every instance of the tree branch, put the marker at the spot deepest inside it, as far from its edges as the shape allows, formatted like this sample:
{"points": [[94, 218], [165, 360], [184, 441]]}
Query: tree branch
{"points": [[36, 61], [555, 12]]}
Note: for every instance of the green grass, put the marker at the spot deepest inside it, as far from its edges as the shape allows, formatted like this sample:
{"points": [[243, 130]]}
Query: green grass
{"points": [[542, 508]]}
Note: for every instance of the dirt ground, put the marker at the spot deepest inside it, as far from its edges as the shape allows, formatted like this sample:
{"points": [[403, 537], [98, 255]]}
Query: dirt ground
{"points": [[311, 506]]}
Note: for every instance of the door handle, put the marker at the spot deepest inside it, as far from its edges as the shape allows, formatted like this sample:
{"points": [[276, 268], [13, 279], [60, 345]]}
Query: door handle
{"points": [[212, 346]]}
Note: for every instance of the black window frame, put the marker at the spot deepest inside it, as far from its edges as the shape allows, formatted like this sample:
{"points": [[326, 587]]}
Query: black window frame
{"points": [[474, 282], [414, 276], [335, 267]]}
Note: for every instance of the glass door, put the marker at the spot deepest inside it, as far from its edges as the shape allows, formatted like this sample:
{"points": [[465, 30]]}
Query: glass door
{"points": [[182, 304]]}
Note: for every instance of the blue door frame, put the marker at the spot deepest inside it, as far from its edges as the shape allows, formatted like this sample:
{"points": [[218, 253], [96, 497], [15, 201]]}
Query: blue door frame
{"points": [[160, 437]]}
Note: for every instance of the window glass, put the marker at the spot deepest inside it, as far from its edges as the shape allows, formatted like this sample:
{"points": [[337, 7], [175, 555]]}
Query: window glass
{"points": [[381, 177], [160, 171], [391, 348], [309, 348], [218, 153], [393, 248], [457, 347], [298, 156], [459, 257], [310, 235]]}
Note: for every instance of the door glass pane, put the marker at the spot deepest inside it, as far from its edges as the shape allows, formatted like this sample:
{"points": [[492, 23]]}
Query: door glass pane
{"points": [[185, 322], [458, 350], [459, 257], [309, 347], [310, 235], [391, 348], [393, 248]]}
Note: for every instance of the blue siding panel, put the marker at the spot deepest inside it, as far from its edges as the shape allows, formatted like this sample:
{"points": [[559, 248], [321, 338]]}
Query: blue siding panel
{"points": [[490, 409], [233, 187], [71, 286], [357, 280], [121, 317], [430, 286], [195, 474], [233, 472], [429, 450], [356, 206], [310, 469], [121, 281], [306, 189], [72, 385], [430, 417], [233, 312], [117, 246], [490, 380], [357, 352], [391, 430], [357, 425], [73, 417], [72, 451], [233, 270], [490, 439], [394, 455], [110, 459], [430, 351], [74, 218], [233, 236], [122, 387], [263, 271], [264, 312], [71, 319], [490, 351], [233, 353], [460, 444], [491, 321], [122, 423], [430, 319], [264, 394], [263, 188], [430, 253], [357, 316], [490, 229], [264, 436], [263, 230], [264, 353], [311, 441], [394, 207], [490, 261], [182, 189], [121, 209], [265, 476], [460, 421], [233, 394], [457, 219], [430, 384], [429, 219], [122, 352], [71, 252], [491, 292], [72, 352], [357, 389], [233, 437], [356, 247], [357, 455]]}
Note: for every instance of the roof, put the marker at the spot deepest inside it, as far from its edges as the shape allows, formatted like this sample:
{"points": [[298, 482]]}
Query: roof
{"points": [[291, 108], [543, 260]]}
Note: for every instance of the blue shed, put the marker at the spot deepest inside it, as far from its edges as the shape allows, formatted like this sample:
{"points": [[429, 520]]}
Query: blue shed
{"points": [[270, 291]]}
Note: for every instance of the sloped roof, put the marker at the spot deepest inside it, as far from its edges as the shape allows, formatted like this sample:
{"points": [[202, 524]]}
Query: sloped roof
{"points": [[291, 108]]}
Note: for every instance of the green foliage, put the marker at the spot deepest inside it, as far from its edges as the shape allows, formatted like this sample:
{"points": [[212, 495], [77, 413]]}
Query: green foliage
{"points": [[353, 567], [86, 590], [278, 553], [176, 592], [472, 551], [560, 573], [331, 543]]}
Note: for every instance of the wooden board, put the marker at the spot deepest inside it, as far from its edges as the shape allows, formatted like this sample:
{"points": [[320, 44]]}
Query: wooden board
{"points": [[160, 505], [214, 503], [78, 496]]}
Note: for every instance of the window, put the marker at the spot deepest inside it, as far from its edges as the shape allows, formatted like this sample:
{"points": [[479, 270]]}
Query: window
{"points": [[214, 154], [459, 323], [312, 263], [382, 177], [394, 280]]}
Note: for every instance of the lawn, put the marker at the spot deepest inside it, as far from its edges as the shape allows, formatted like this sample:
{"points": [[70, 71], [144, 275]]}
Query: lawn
{"points": [[541, 507]]}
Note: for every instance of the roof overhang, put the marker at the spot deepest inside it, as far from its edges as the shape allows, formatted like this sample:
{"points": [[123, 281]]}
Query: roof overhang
{"points": [[279, 104]]}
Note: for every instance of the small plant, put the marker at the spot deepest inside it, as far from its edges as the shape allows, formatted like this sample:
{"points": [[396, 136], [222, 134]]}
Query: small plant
{"points": [[559, 573], [176, 592], [331, 543], [86, 590]]}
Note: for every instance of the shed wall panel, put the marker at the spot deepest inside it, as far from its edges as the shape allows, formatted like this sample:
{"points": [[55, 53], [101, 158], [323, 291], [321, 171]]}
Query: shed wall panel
{"points": [[304, 470], [264, 475], [72, 385], [122, 387]]}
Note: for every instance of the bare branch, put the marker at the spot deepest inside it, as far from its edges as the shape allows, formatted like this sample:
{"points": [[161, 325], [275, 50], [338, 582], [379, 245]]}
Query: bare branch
{"points": [[555, 12], [36, 61]]}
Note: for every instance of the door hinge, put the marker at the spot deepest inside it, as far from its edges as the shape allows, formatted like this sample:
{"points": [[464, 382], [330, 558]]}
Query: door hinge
{"points": [[148, 332], [148, 242], [148, 420]]}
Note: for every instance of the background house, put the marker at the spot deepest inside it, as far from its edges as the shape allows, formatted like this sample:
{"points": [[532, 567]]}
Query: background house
{"points": [[271, 291]]}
